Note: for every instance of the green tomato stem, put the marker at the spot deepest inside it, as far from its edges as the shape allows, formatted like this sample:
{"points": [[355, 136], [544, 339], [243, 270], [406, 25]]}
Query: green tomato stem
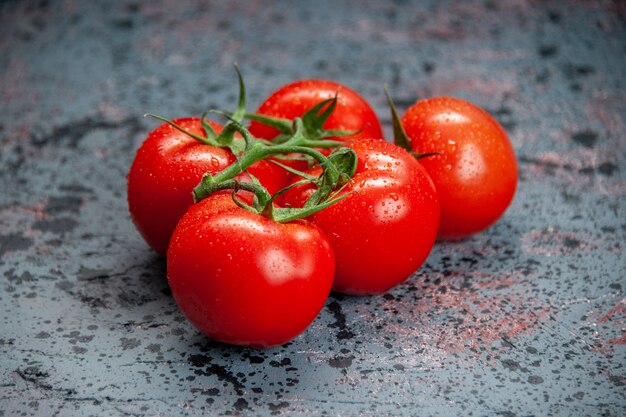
{"points": [[255, 152]]}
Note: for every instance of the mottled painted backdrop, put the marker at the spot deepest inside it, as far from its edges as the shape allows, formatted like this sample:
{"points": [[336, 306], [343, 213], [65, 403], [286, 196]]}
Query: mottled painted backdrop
{"points": [[527, 318]]}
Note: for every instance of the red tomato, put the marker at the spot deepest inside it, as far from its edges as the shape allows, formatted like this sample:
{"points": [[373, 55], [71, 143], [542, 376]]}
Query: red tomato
{"points": [[168, 165], [384, 230], [352, 113], [242, 278], [476, 172]]}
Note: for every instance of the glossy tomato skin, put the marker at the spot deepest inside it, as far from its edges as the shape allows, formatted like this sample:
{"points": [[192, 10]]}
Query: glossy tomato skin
{"points": [[352, 113], [166, 168], [476, 171], [244, 279], [384, 230]]}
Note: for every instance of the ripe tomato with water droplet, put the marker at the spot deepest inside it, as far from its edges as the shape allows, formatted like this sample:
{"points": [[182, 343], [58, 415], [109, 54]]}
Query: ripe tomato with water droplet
{"points": [[386, 226], [475, 172], [262, 286], [166, 168]]}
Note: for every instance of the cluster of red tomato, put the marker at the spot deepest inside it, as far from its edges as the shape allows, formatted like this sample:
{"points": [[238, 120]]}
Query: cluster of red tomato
{"points": [[243, 264]]}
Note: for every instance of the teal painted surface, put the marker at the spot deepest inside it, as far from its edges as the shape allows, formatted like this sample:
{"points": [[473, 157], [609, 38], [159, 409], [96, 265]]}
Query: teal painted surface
{"points": [[526, 318]]}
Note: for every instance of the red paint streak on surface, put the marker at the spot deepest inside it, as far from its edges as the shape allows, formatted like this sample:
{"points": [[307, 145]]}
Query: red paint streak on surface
{"points": [[12, 212], [616, 313], [18, 219], [611, 321], [618, 340], [466, 312]]}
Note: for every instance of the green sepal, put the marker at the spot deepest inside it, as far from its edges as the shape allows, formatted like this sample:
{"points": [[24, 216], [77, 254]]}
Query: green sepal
{"points": [[208, 129], [317, 115], [227, 135], [237, 147], [207, 141], [240, 112], [419, 156], [292, 170], [315, 118], [282, 125], [341, 167], [300, 157], [400, 137], [345, 161], [295, 184], [336, 133], [313, 121], [256, 182]]}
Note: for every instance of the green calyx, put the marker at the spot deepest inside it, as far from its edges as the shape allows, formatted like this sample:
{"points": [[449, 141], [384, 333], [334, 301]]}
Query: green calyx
{"points": [[302, 137], [400, 137], [338, 169], [263, 202], [313, 124], [343, 162]]}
